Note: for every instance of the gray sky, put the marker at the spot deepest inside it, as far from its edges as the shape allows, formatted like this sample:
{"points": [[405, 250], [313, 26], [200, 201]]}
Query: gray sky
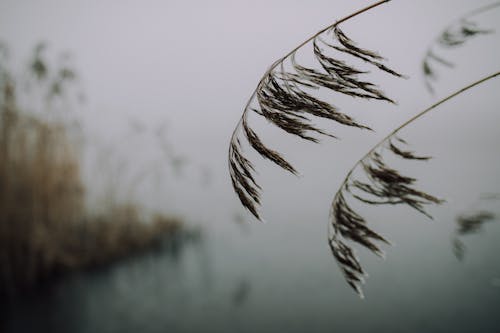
{"points": [[194, 64]]}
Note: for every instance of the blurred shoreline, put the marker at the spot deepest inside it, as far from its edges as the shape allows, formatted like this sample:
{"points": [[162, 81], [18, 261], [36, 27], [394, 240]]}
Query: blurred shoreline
{"points": [[46, 226]]}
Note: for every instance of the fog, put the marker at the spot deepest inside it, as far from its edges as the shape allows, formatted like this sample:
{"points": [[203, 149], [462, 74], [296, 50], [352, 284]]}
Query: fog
{"points": [[187, 69]]}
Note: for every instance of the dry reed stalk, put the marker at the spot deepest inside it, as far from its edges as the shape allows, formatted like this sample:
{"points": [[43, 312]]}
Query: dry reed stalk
{"points": [[385, 186], [455, 35], [285, 98], [467, 224]]}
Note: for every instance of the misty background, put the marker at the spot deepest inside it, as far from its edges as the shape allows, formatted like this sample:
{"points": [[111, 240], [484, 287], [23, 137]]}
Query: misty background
{"points": [[182, 72]]}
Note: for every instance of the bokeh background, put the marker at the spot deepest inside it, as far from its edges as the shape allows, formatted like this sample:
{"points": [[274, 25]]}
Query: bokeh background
{"points": [[158, 87]]}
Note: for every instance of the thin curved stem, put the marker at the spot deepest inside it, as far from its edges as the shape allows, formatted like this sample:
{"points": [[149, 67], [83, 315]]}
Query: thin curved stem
{"points": [[277, 62], [280, 60], [430, 108], [325, 29], [481, 9], [474, 12]]}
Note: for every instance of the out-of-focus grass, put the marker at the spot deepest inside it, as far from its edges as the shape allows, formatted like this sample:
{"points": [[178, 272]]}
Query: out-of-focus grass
{"points": [[44, 228]]}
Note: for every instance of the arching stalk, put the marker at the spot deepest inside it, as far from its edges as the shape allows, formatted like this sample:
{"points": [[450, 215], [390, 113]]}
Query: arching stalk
{"points": [[388, 187]]}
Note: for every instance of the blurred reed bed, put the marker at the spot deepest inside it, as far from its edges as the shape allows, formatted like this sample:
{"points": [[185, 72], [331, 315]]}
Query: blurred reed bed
{"points": [[45, 229]]}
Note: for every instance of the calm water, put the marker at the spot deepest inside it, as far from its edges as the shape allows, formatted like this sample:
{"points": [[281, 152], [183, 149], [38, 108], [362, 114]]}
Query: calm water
{"points": [[286, 281]]}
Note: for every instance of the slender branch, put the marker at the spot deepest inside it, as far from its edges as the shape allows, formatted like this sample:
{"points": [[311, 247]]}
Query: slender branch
{"points": [[430, 108], [429, 52], [481, 9], [313, 37], [471, 13], [325, 29], [277, 62], [389, 186]]}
